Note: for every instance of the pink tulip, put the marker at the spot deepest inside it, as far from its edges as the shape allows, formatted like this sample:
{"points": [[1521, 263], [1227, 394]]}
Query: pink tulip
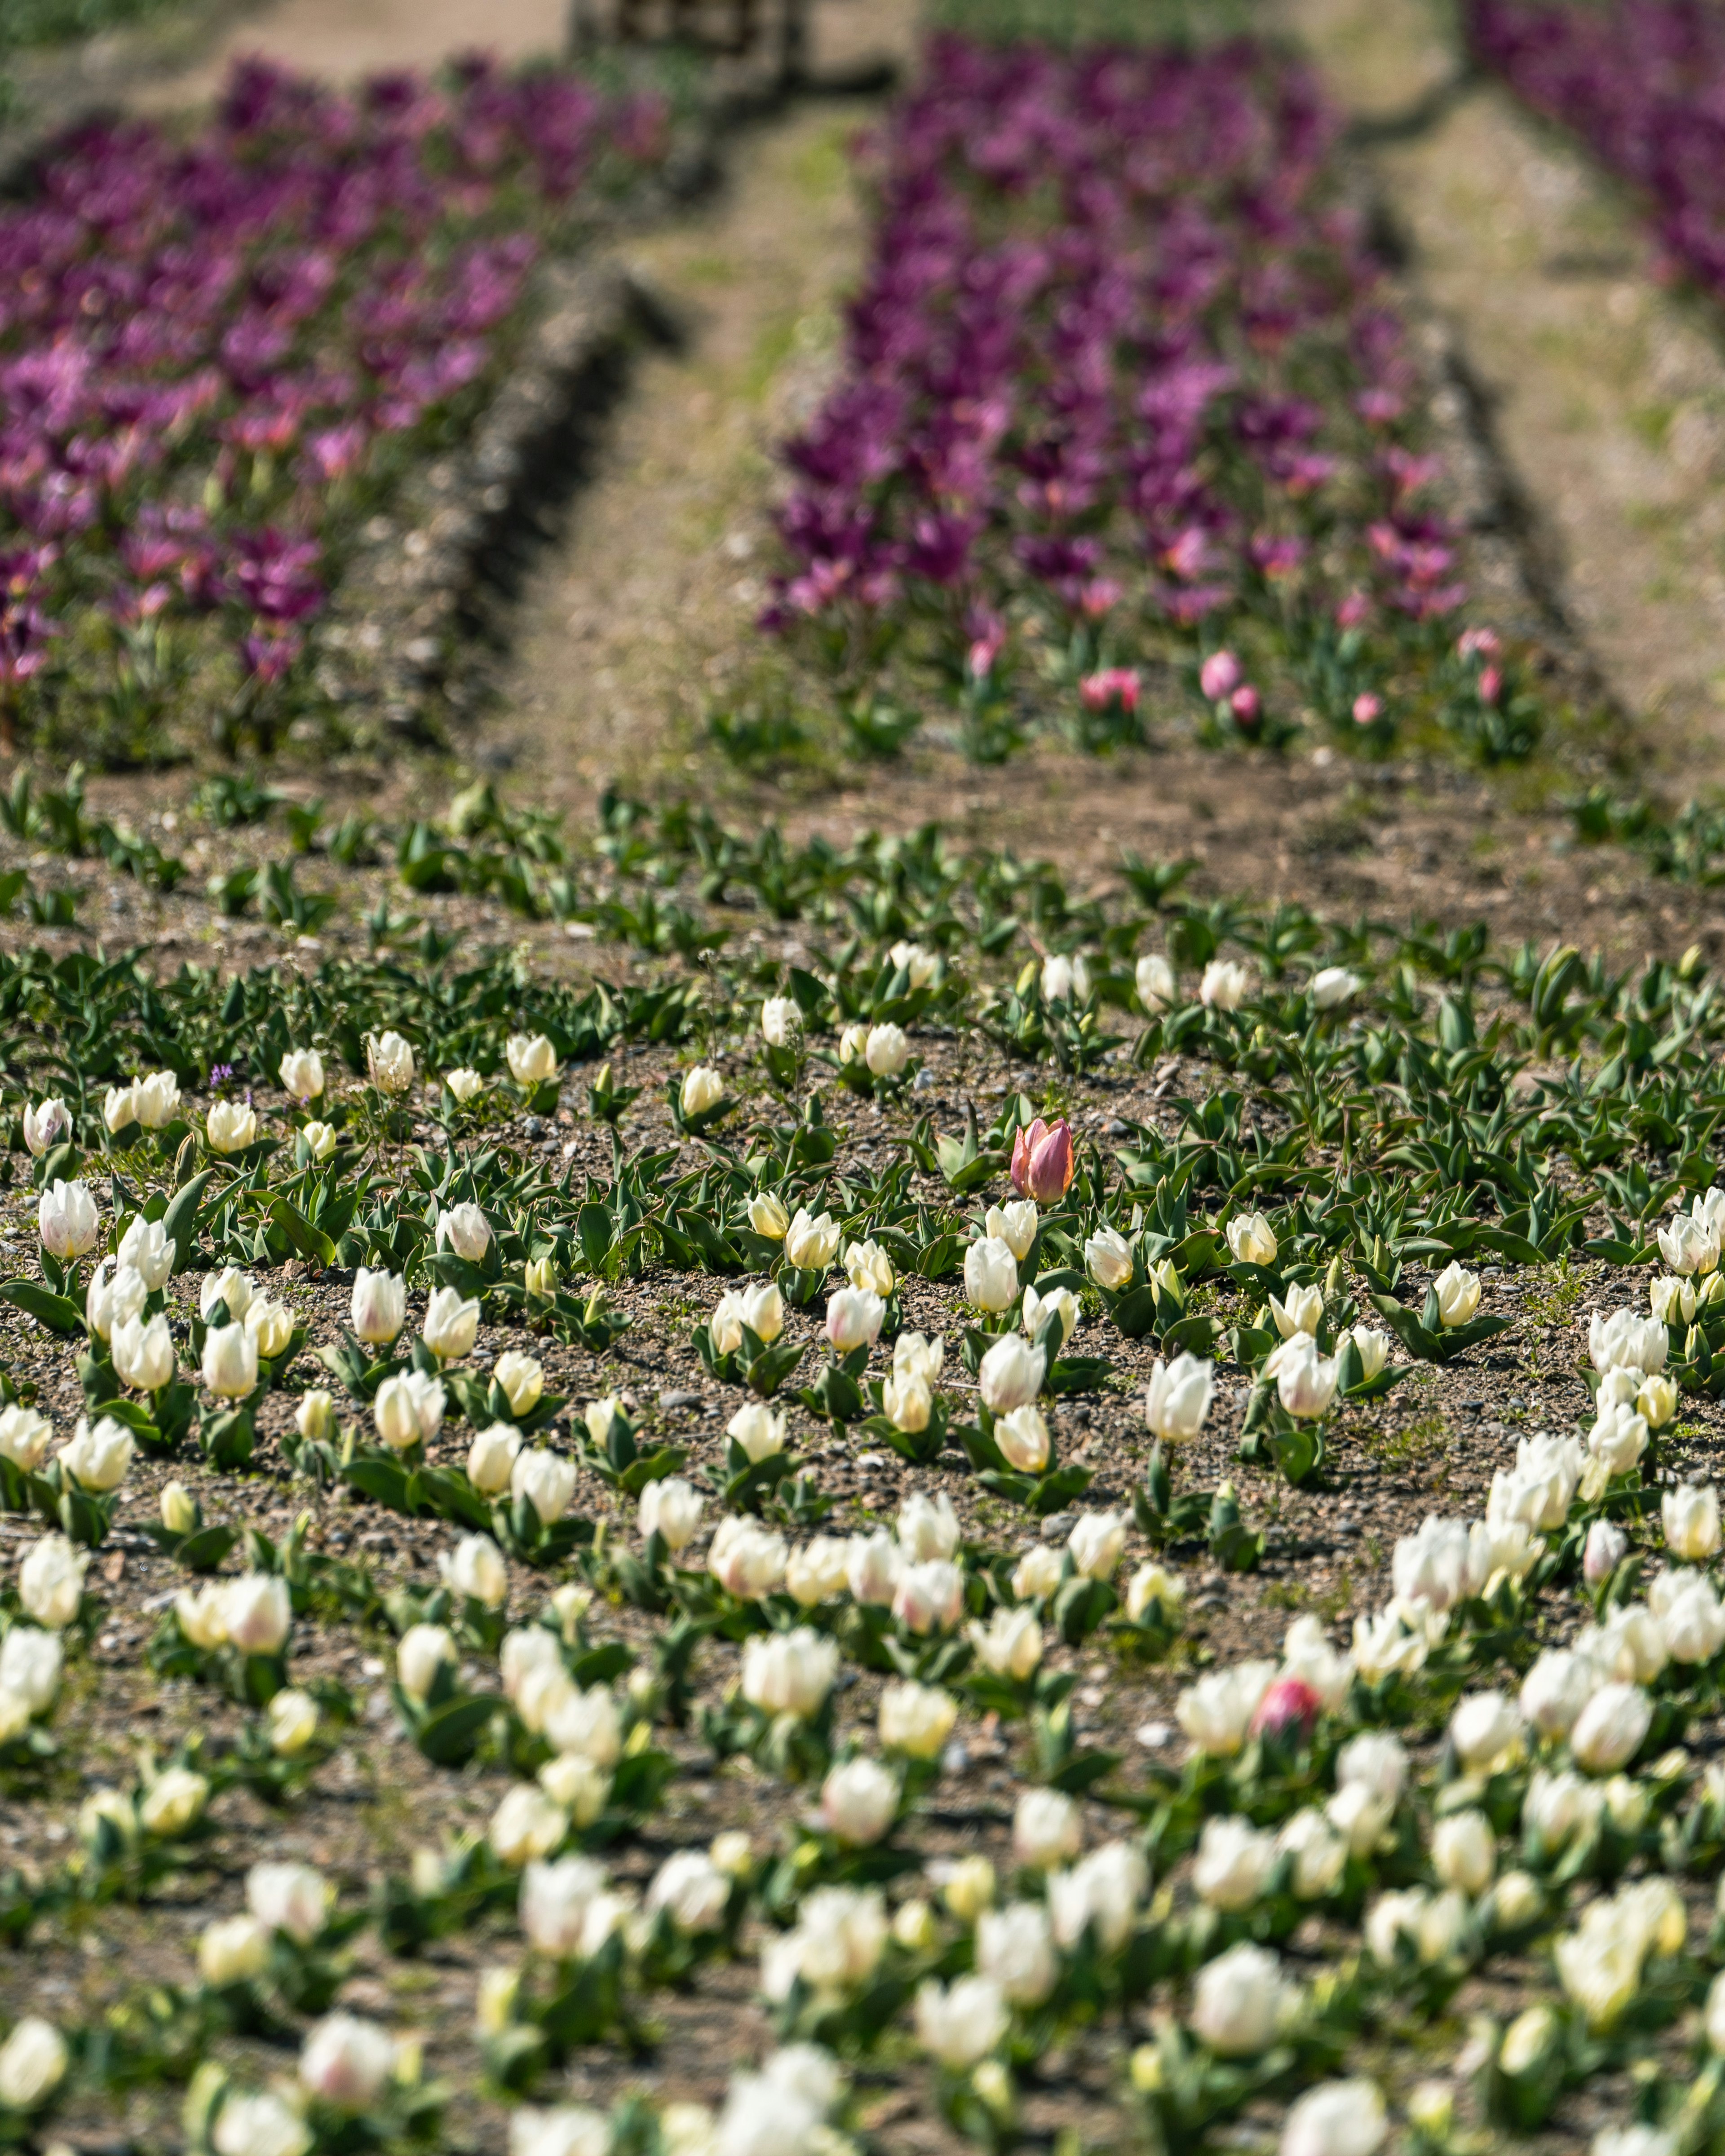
{"points": [[1368, 709], [1289, 1706], [1246, 705], [1042, 1161], [1491, 684], [1219, 675], [1353, 610]]}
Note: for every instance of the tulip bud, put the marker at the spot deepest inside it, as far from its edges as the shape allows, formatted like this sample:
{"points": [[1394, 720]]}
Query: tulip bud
{"points": [[858, 1802], [532, 1060], [1010, 1374], [703, 1089], [230, 1362], [379, 1306], [45, 1126], [390, 1061], [292, 1721], [1043, 1162], [767, 1217], [465, 1230], [302, 1073], [855, 1317], [781, 1021], [230, 1127]]}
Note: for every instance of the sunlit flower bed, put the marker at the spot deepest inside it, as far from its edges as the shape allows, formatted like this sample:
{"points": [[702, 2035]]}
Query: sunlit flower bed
{"points": [[1451, 1864], [216, 351], [1641, 81], [1125, 392]]}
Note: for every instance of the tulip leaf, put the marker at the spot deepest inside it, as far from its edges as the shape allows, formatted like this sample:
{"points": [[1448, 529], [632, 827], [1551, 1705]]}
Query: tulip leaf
{"points": [[58, 1312], [179, 1224], [203, 1551], [450, 1735], [309, 1241]]}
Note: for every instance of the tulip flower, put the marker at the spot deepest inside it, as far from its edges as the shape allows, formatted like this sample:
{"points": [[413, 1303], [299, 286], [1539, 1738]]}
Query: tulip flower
{"points": [[789, 1672], [1108, 1259], [1239, 2000], [522, 1379], [302, 1073], [66, 1219], [1179, 1398], [1042, 1161], [148, 1250], [959, 2025], [1458, 1294], [1225, 984], [230, 1127], [271, 1325], [143, 1354], [464, 1229], [230, 1362], [887, 1050], [230, 1286], [1065, 980], [702, 1089], [671, 1509], [855, 1317], [451, 1324], [811, 1241], [781, 1021], [389, 1060], [1251, 1240], [532, 1058], [46, 1125], [1010, 1374], [858, 1802], [464, 1085], [767, 1217], [991, 1275], [1154, 980], [379, 1306], [545, 1480]]}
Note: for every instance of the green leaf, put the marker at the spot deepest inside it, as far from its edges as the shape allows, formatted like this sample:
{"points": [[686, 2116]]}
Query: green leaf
{"points": [[179, 1223], [58, 1312], [450, 1735], [309, 1241]]}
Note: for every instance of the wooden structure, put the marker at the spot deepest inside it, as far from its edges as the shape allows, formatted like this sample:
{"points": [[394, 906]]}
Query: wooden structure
{"points": [[776, 30]]}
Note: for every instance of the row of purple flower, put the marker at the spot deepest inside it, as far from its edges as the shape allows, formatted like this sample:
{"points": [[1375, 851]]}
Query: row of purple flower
{"points": [[1643, 81], [207, 345], [1123, 378]]}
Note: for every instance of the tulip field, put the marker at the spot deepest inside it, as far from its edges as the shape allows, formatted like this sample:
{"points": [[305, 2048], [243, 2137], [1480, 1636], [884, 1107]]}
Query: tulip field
{"points": [[730, 1490]]}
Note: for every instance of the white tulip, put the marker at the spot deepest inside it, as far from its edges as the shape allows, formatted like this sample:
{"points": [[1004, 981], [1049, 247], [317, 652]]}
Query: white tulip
{"points": [[389, 1060], [781, 1021], [927, 1527], [1097, 1541], [1015, 1950], [867, 1265], [1458, 1294], [1625, 1341], [1217, 1711], [173, 1802], [289, 1898], [1179, 1398], [855, 1317], [916, 1719], [1010, 1374], [302, 1073], [257, 1614], [532, 1058], [818, 1572], [423, 1651], [465, 1230], [522, 1379], [545, 1480], [50, 1581], [1059, 1303], [1108, 1259], [110, 1299], [858, 1802], [25, 1435], [1101, 1894], [747, 1559], [1611, 1729], [1319, 1849], [1039, 1572], [671, 1509], [1047, 1829], [476, 1571], [98, 1456], [271, 1325], [1691, 1520], [1010, 1644], [119, 1108], [347, 2061], [1154, 979], [1153, 1583], [907, 1402], [1332, 986], [811, 1242], [1464, 1851], [1014, 1224], [30, 1665], [1238, 2001], [702, 1089], [558, 1900], [887, 1050], [929, 1598], [230, 1286], [34, 2061], [66, 1219], [143, 1354], [1305, 1380], [233, 1951], [149, 1250], [230, 1127], [292, 1721], [1302, 1312], [692, 1891], [46, 1125], [1555, 1691], [1234, 1864], [1688, 1245], [914, 1356], [991, 1275], [1024, 1440], [1252, 1239], [230, 1361], [961, 2024], [1336, 2118], [1225, 984], [789, 1672], [379, 1306]]}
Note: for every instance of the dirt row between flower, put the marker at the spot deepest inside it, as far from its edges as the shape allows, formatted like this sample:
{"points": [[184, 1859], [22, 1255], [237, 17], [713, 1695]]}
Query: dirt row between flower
{"points": [[1606, 390]]}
